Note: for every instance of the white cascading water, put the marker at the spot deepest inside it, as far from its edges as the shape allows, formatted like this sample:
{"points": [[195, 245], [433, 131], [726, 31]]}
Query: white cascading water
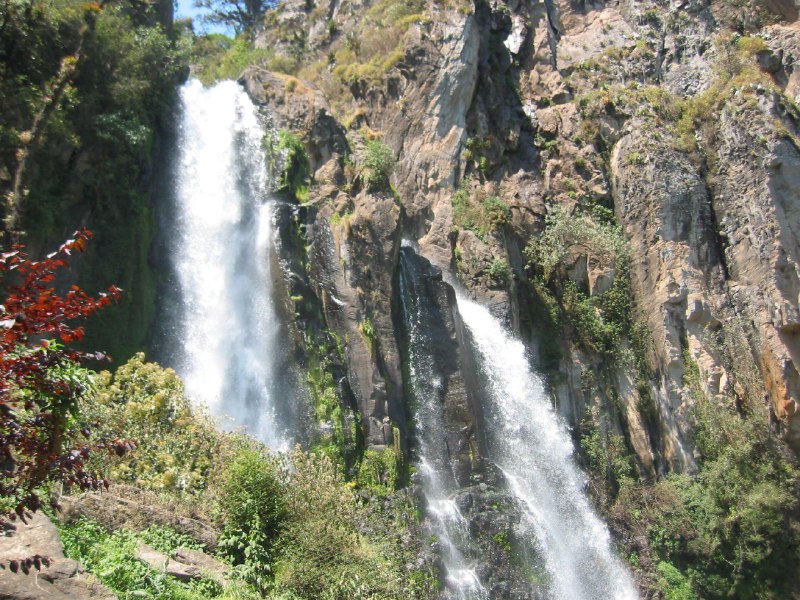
{"points": [[437, 479], [530, 444], [220, 253]]}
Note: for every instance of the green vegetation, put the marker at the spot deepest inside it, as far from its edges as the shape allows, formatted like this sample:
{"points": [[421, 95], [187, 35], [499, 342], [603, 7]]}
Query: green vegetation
{"points": [[42, 382], [377, 165], [475, 152], [340, 440], [692, 121], [367, 329], [499, 271], [87, 88], [602, 321], [369, 52], [607, 457], [292, 157], [176, 446], [242, 15], [112, 557], [381, 470], [732, 530], [253, 514], [291, 525], [479, 213], [673, 584], [216, 57]]}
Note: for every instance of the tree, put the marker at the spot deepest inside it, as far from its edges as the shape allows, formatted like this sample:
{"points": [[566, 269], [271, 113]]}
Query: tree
{"points": [[242, 15], [41, 380]]}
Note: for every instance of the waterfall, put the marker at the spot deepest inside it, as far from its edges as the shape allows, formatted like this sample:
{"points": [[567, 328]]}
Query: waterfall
{"points": [[531, 446], [438, 481], [221, 231]]}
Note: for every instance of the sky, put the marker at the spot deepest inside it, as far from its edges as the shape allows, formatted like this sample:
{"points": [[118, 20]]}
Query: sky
{"points": [[185, 8]]}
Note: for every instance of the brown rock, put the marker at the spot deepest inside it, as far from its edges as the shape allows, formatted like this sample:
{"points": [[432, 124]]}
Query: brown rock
{"points": [[113, 511], [63, 579]]}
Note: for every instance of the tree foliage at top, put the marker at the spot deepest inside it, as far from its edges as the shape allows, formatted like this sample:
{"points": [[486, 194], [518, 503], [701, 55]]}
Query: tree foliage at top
{"points": [[87, 88], [242, 15]]}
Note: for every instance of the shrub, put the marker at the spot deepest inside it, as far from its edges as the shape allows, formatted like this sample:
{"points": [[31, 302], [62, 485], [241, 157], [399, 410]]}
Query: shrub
{"points": [[218, 57], [497, 213], [324, 555], [477, 213], [377, 164], [41, 382], [252, 496], [379, 470], [499, 271], [566, 233], [176, 447], [295, 172], [673, 584]]}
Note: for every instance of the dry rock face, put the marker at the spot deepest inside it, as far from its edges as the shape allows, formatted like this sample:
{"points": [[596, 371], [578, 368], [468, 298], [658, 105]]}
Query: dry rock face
{"points": [[756, 203], [63, 579], [122, 509], [666, 215], [497, 95]]}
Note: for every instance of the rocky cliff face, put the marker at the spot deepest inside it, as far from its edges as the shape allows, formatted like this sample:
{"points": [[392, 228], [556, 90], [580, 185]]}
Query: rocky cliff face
{"points": [[677, 124]]}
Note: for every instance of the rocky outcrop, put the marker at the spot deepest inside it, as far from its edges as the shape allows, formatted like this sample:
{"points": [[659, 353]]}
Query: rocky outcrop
{"points": [[297, 106], [585, 106], [186, 565], [120, 508], [431, 332], [51, 574], [492, 515], [755, 199], [666, 215], [353, 265]]}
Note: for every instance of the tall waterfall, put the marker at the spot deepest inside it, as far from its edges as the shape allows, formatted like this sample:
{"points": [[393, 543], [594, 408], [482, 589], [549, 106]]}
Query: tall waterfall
{"points": [[437, 478], [530, 445], [228, 334]]}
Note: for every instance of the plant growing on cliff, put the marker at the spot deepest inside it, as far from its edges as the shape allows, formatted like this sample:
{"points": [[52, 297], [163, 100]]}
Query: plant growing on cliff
{"points": [[367, 329], [295, 171], [41, 381], [603, 320], [569, 234], [475, 211], [499, 271], [497, 213], [377, 165]]}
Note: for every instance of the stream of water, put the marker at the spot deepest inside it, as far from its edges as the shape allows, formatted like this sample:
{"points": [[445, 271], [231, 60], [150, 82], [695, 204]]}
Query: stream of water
{"points": [[438, 481], [220, 243], [530, 444]]}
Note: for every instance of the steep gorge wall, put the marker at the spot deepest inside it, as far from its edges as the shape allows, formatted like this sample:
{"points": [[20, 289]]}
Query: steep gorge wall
{"points": [[505, 75], [675, 124]]}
